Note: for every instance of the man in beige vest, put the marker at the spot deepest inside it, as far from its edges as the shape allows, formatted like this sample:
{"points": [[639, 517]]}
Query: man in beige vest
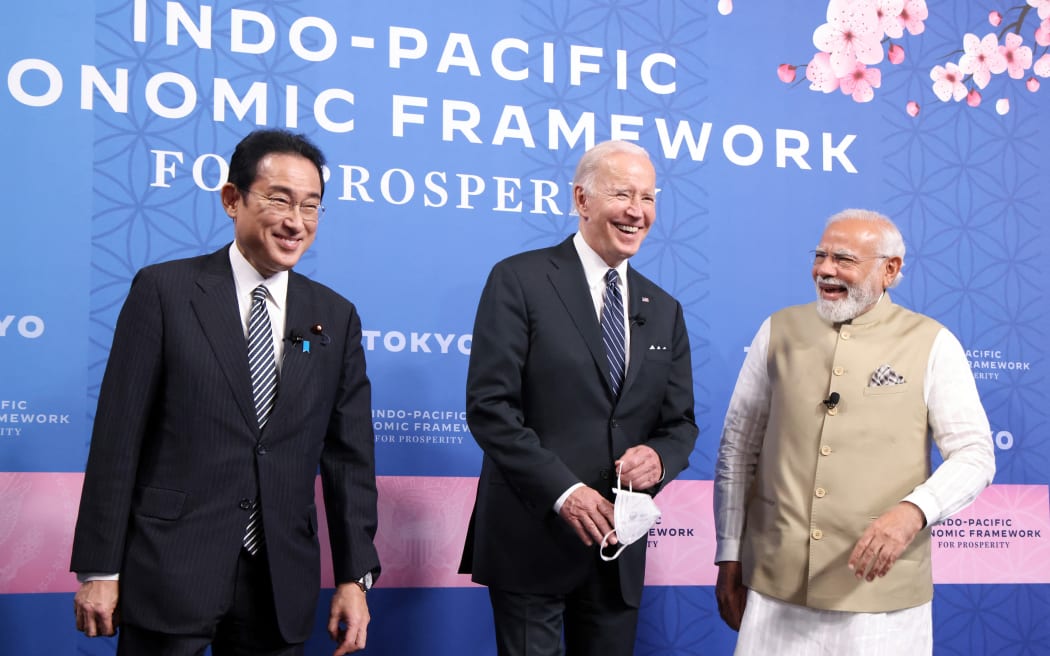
{"points": [[823, 490]]}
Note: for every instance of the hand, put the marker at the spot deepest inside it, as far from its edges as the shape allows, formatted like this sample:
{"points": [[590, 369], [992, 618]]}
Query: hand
{"points": [[95, 607], [887, 537], [589, 514], [641, 467], [731, 593], [348, 619]]}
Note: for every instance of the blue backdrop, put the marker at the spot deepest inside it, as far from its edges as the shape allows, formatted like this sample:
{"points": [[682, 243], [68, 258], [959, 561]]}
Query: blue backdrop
{"points": [[452, 130]]}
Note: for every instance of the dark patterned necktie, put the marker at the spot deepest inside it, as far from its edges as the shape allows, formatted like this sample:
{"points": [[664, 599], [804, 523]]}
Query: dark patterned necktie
{"points": [[260, 356], [263, 370], [612, 329]]}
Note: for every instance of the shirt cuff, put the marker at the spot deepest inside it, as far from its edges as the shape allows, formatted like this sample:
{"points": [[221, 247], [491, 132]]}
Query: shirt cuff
{"points": [[727, 550], [927, 504], [86, 577], [565, 495]]}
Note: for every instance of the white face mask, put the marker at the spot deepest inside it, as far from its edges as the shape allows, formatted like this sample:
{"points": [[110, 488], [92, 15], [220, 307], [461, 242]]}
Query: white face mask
{"points": [[634, 513]]}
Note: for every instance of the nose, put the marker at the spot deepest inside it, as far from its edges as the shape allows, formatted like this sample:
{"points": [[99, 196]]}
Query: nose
{"points": [[634, 207], [294, 218], [825, 267]]}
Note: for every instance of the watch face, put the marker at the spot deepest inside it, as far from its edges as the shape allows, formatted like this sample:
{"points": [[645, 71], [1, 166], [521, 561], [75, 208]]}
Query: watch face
{"points": [[366, 580]]}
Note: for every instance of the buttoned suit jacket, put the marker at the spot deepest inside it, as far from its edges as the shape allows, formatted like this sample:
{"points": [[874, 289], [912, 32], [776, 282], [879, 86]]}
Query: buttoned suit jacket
{"points": [[176, 451], [540, 405]]}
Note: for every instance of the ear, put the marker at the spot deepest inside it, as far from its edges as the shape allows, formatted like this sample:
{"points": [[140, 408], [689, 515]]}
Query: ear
{"points": [[892, 267], [231, 196], [580, 197]]}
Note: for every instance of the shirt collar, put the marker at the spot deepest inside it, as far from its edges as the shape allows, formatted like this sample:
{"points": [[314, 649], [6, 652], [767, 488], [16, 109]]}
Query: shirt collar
{"points": [[594, 267], [246, 278]]}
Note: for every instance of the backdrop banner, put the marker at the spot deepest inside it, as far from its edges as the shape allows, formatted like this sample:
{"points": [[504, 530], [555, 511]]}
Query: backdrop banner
{"points": [[452, 130]]}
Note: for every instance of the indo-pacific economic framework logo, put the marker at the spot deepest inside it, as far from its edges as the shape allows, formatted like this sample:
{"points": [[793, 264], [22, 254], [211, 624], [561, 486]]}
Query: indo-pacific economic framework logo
{"points": [[420, 427], [995, 363], [18, 417]]}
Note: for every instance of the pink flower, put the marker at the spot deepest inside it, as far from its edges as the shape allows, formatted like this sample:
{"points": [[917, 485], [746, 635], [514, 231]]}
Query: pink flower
{"points": [[947, 82], [1043, 6], [1042, 34], [995, 18], [861, 83], [1018, 58], [851, 34], [913, 15], [887, 12], [982, 58], [895, 54], [725, 7], [1002, 106], [786, 73], [820, 75], [973, 98], [1032, 84], [1042, 66], [912, 108]]}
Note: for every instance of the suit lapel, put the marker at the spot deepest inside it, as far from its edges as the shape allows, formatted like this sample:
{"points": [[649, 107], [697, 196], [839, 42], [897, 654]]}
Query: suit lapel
{"points": [[215, 305], [637, 310], [570, 283]]}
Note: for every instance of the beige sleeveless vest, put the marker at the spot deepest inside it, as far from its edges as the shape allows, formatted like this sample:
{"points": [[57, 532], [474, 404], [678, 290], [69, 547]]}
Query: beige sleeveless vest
{"points": [[825, 474]]}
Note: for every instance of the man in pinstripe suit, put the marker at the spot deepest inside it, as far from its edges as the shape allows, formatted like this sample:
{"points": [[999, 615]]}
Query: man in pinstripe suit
{"points": [[186, 448]]}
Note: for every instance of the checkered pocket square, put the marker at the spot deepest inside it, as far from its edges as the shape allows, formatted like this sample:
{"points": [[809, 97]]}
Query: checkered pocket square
{"points": [[885, 375]]}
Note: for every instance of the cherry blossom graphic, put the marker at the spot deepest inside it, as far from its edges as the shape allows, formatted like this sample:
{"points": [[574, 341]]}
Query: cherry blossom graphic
{"points": [[982, 58], [851, 35], [859, 35], [947, 82]]}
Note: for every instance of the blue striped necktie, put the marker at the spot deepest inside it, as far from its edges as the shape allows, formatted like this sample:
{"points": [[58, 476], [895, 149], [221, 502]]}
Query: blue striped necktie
{"points": [[263, 370], [613, 330]]}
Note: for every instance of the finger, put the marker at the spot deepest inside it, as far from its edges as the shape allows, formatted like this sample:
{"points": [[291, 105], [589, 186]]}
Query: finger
{"points": [[89, 625], [105, 625], [353, 641], [858, 551], [582, 533], [596, 532], [333, 627]]}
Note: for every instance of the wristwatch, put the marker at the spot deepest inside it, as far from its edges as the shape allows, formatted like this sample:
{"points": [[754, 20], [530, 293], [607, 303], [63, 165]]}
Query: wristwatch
{"points": [[365, 582]]}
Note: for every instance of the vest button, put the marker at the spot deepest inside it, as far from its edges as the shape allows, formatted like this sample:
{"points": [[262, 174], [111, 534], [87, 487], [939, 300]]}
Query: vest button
{"points": [[825, 450], [817, 534], [844, 335], [833, 411], [260, 449], [820, 492], [838, 371], [245, 504]]}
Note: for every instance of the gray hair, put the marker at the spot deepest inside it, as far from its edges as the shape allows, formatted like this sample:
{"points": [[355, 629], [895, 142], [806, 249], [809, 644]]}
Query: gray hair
{"points": [[587, 169], [891, 243]]}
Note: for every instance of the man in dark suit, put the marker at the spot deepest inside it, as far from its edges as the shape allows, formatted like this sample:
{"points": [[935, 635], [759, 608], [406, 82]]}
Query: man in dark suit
{"points": [[197, 513], [557, 418]]}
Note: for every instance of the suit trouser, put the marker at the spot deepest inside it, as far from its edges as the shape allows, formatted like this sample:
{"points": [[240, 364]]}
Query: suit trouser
{"points": [[594, 618], [248, 628]]}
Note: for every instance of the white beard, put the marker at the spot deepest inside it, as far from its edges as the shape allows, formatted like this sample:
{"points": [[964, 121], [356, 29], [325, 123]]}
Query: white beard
{"points": [[859, 298]]}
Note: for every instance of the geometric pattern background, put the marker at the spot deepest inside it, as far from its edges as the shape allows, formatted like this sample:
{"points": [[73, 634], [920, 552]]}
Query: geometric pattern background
{"points": [[118, 116]]}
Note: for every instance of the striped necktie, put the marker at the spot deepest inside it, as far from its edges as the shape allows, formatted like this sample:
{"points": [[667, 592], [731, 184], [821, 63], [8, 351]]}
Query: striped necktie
{"points": [[263, 370], [612, 329]]}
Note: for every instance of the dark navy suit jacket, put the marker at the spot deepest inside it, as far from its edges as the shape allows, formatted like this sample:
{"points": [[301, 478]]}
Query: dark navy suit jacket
{"points": [[176, 451], [539, 404]]}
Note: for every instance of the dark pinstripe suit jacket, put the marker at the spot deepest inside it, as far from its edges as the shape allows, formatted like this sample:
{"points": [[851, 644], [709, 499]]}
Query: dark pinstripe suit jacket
{"points": [[176, 449]]}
